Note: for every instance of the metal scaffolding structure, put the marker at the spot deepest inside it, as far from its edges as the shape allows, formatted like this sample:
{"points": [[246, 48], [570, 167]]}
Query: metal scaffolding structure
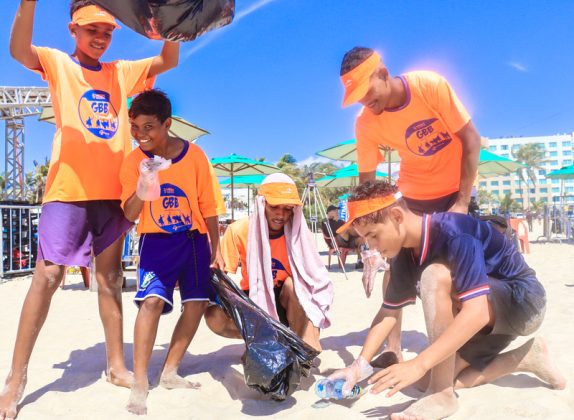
{"points": [[17, 102]]}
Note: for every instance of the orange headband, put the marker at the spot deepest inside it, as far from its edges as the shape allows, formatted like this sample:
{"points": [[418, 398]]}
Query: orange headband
{"points": [[356, 81], [361, 208]]}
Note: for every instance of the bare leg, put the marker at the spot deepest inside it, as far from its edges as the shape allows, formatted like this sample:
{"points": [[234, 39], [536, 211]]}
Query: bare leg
{"points": [[298, 321], [439, 400], [182, 336], [394, 338], [45, 282], [145, 332], [531, 357], [218, 322], [110, 278]]}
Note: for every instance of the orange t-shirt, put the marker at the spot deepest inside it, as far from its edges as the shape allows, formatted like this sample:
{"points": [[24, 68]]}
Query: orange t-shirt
{"points": [[187, 193], [423, 131], [92, 131], [234, 251]]}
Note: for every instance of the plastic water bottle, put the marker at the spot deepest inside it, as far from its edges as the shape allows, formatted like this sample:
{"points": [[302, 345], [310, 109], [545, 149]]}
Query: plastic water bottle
{"points": [[333, 389]]}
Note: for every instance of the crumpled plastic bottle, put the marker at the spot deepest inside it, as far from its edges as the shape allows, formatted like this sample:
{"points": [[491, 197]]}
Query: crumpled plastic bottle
{"points": [[148, 187]]}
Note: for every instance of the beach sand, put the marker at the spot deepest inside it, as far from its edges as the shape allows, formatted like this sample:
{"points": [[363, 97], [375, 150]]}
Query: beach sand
{"points": [[66, 371]]}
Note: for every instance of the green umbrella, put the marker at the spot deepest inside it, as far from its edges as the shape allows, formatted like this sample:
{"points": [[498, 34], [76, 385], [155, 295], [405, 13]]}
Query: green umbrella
{"points": [[345, 177], [179, 127], [490, 164], [244, 181], [233, 165], [566, 172]]}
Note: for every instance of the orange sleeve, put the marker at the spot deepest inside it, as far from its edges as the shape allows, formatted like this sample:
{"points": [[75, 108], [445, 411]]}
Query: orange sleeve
{"points": [[229, 250], [135, 74], [447, 104], [368, 154], [129, 175], [48, 60], [205, 189]]}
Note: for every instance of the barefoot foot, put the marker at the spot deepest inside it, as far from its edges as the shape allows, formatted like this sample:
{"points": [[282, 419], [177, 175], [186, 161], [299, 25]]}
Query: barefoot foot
{"points": [[117, 377], [538, 362], [10, 397], [171, 380], [430, 407], [137, 402]]}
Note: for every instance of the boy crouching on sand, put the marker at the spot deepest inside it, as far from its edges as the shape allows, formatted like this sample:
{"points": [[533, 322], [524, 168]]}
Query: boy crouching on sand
{"points": [[478, 295], [174, 218]]}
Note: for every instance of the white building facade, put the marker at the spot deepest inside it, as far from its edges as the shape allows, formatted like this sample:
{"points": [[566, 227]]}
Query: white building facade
{"points": [[558, 153]]}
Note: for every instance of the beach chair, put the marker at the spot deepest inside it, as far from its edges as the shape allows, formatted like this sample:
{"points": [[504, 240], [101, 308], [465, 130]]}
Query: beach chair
{"points": [[342, 251]]}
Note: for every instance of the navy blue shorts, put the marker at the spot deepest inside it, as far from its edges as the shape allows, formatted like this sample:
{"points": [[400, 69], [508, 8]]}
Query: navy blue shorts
{"points": [[166, 259]]}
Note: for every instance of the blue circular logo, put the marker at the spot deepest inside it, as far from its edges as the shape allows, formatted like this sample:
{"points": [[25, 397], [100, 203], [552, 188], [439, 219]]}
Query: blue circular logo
{"points": [[98, 114], [172, 211]]}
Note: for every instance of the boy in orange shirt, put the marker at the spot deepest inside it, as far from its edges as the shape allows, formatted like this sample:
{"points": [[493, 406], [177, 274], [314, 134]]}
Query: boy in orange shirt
{"points": [[81, 210], [179, 237], [419, 115]]}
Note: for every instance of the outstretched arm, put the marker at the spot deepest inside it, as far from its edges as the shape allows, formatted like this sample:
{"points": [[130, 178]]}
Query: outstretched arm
{"points": [[470, 152], [167, 59], [21, 36]]}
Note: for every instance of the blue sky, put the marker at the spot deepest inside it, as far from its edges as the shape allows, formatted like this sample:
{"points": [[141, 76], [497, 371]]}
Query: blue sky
{"points": [[268, 84]]}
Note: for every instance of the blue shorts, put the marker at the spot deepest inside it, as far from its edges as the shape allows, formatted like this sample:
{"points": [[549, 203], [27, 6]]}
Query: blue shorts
{"points": [[167, 259]]}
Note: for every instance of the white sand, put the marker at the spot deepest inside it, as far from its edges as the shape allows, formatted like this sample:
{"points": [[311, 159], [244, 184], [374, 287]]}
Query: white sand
{"points": [[65, 373]]}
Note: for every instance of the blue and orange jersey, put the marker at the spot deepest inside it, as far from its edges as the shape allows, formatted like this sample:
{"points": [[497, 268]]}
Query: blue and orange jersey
{"points": [[92, 131], [472, 250], [423, 131], [234, 252], [187, 192]]}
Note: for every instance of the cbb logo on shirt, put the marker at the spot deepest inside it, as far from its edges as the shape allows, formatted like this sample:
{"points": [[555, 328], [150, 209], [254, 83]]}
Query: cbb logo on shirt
{"points": [[277, 266], [172, 211], [427, 137], [98, 114]]}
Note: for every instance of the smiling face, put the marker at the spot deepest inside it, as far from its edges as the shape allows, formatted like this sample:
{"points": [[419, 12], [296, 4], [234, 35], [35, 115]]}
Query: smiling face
{"points": [[387, 237], [277, 216], [92, 40], [151, 134], [378, 96]]}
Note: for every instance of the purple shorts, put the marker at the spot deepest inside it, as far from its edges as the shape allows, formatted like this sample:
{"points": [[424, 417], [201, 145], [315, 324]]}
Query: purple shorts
{"points": [[68, 231]]}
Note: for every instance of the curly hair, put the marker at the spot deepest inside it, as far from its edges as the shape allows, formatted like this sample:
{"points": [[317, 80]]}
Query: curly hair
{"points": [[355, 57], [78, 4], [372, 189], [151, 102]]}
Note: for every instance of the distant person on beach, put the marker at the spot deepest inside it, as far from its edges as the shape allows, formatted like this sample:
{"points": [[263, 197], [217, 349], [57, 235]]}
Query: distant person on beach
{"points": [[478, 295], [281, 270], [81, 210], [348, 239], [419, 115], [180, 252]]}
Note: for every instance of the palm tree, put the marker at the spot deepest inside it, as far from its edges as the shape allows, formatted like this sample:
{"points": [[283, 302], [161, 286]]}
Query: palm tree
{"points": [[36, 181], [533, 156]]}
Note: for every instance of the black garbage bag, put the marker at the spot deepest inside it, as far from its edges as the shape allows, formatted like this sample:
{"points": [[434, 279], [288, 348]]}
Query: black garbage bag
{"points": [[173, 20], [275, 358]]}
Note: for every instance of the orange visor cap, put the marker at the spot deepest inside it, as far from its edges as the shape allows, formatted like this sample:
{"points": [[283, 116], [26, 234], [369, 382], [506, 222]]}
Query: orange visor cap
{"points": [[93, 14], [356, 81], [361, 208], [279, 189]]}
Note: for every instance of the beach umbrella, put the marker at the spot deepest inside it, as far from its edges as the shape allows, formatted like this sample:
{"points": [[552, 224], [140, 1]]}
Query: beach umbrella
{"points": [[345, 177], [179, 127], [244, 181], [234, 165], [566, 172], [347, 150], [490, 164]]}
